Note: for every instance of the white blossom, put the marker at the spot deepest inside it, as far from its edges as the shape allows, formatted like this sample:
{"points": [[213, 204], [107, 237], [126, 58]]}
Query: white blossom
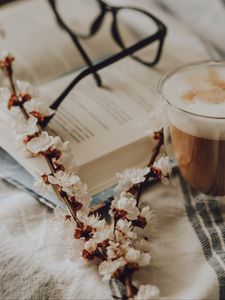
{"points": [[136, 256], [164, 165], [142, 245], [90, 246], [147, 292], [126, 227], [92, 221], [41, 143], [106, 233], [131, 255], [118, 247], [143, 259], [115, 249], [64, 179], [26, 127], [85, 209], [108, 268], [67, 158], [78, 189], [128, 205], [68, 161], [25, 87], [69, 225], [20, 146], [119, 237], [80, 192], [73, 186], [130, 177], [147, 213], [40, 106]]}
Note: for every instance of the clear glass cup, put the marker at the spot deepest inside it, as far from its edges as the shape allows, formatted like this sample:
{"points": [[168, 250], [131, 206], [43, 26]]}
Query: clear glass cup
{"points": [[194, 124]]}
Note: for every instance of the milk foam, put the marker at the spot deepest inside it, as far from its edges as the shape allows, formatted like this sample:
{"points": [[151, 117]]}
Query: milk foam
{"points": [[210, 110], [199, 90]]}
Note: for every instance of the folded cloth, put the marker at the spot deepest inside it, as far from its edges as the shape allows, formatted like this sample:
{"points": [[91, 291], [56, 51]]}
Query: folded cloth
{"points": [[39, 258]]}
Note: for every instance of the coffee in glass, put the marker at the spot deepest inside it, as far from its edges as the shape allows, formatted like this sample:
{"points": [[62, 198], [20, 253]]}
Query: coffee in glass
{"points": [[194, 106]]}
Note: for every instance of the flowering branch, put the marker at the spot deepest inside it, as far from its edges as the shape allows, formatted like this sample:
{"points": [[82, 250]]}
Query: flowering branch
{"points": [[155, 173], [18, 101], [118, 248]]}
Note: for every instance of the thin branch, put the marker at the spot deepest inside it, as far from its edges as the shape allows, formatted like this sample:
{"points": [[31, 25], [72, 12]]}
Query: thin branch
{"points": [[10, 76], [49, 162], [131, 290], [138, 189], [157, 148]]}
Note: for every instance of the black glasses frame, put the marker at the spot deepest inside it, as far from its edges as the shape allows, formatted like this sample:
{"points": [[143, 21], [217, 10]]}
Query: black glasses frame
{"points": [[92, 69], [96, 25], [114, 10]]}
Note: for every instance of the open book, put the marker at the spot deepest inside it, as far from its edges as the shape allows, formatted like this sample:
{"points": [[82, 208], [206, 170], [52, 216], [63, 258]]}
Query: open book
{"points": [[107, 127]]}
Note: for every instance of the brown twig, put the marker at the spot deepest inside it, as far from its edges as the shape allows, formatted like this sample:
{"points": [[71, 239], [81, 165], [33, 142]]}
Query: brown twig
{"points": [[131, 290], [138, 189], [9, 73], [10, 76], [157, 148], [64, 199]]}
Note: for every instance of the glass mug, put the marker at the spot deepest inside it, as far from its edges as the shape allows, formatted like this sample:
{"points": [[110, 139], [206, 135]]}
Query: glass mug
{"points": [[194, 124]]}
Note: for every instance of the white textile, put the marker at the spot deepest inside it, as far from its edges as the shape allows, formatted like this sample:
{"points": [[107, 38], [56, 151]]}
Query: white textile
{"points": [[39, 260]]}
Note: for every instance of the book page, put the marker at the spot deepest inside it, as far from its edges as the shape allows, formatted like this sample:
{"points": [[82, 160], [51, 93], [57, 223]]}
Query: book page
{"points": [[43, 50], [100, 120]]}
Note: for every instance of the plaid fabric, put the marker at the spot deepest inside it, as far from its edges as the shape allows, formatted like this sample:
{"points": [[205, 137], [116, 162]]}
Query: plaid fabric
{"points": [[207, 219]]}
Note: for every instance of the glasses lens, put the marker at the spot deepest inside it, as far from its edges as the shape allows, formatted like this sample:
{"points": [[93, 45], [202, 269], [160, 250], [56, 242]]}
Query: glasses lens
{"points": [[79, 15], [134, 26]]}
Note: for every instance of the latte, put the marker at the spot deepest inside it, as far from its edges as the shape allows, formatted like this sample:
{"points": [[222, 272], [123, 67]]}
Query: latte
{"points": [[201, 161], [196, 115]]}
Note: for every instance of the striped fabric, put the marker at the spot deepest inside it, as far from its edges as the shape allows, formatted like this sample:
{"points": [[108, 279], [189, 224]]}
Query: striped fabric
{"points": [[207, 221]]}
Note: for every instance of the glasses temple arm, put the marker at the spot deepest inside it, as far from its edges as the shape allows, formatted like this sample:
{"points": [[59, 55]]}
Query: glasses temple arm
{"points": [[97, 67], [75, 40]]}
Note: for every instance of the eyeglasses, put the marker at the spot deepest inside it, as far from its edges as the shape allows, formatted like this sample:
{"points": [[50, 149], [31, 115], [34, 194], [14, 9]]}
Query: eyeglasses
{"points": [[123, 30], [125, 35]]}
